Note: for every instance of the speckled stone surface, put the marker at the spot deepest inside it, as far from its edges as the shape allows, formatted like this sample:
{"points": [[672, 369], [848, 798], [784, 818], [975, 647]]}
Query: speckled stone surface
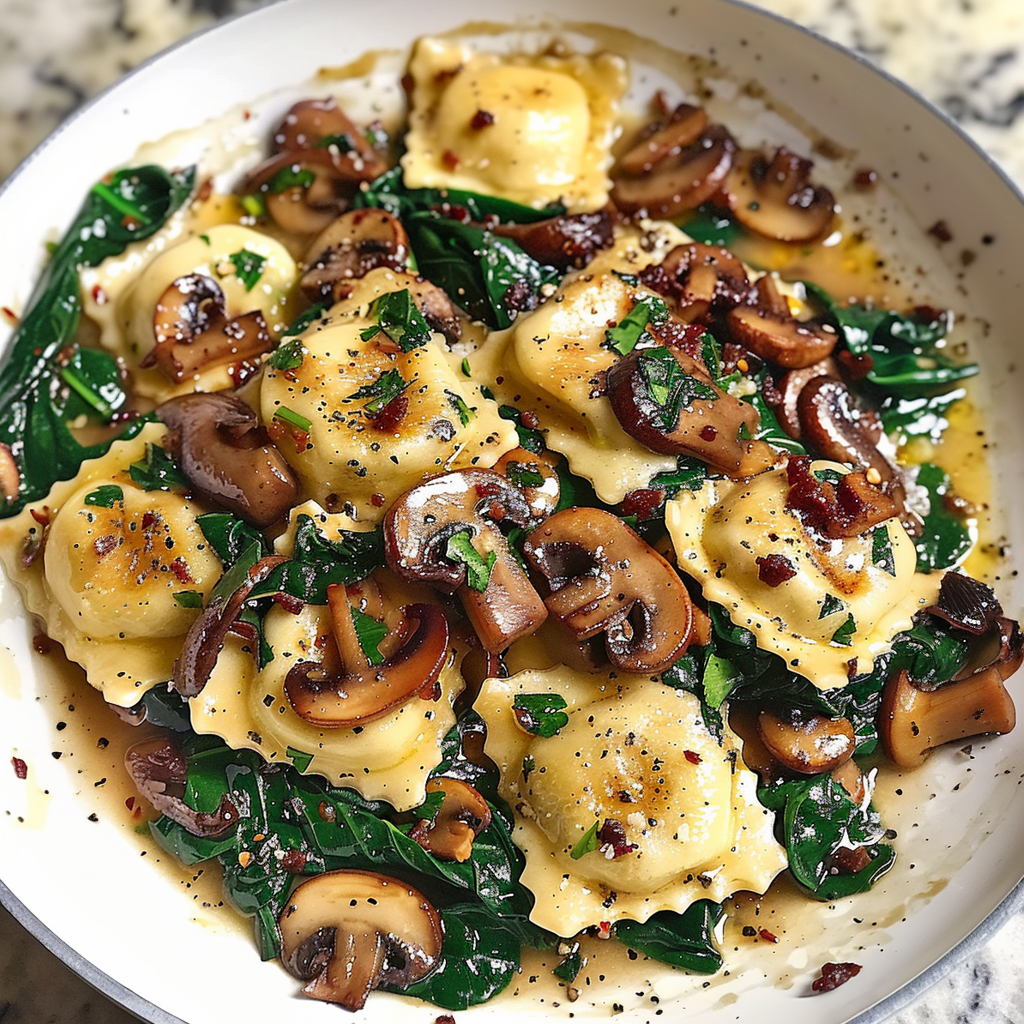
{"points": [[966, 56]]}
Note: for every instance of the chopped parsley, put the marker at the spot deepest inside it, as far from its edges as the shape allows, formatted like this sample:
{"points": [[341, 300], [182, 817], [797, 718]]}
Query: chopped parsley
{"points": [[386, 388], [541, 714], [105, 497], [399, 318], [478, 567], [882, 554], [625, 335], [248, 267], [588, 844], [670, 387]]}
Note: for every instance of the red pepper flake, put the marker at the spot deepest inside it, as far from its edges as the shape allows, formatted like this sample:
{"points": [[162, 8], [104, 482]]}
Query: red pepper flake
{"points": [[529, 420], [708, 433], [327, 812], [450, 160], [643, 503], [41, 515], [392, 414], [9, 315], [834, 975], [612, 836], [377, 500], [148, 520], [294, 862], [445, 1018], [774, 570], [865, 179], [130, 803], [481, 119], [767, 935], [104, 545], [180, 569], [488, 490], [692, 756], [604, 930], [20, 768]]}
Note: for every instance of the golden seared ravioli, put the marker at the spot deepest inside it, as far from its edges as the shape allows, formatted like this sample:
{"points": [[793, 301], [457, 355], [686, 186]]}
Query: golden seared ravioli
{"points": [[253, 270], [534, 129], [351, 458], [385, 759], [846, 600], [631, 807], [552, 362], [108, 568]]}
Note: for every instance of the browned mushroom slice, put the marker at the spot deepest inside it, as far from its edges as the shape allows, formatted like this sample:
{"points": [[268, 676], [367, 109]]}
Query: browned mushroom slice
{"points": [[462, 816], [345, 933], [205, 639], [192, 329], [227, 456], [661, 141], [698, 277], [443, 532], [535, 475], [322, 124], [806, 743], [768, 329], [775, 198], [160, 770], [782, 395], [563, 242], [361, 692], [350, 247], [681, 181], [665, 399], [914, 720], [606, 579]]}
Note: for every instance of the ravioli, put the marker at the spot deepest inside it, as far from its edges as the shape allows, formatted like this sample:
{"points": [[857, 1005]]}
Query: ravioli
{"points": [[535, 129], [637, 753], [106, 581], [385, 759], [346, 459], [847, 599], [551, 361], [254, 271]]}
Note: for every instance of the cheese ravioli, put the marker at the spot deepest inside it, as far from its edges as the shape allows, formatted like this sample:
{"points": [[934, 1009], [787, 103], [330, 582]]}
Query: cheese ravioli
{"points": [[632, 806]]}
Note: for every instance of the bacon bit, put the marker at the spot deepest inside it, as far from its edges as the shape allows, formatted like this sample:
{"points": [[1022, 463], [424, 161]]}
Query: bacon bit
{"points": [[377, 500], [774, 570], [289, 603], [767, 935], [849, 862], [9, 315], [20, 768], [392, 414], [445, 1018], [450, 160], [245, 858], [246, 369], [643, 503], [708, 433], [294, 861], [846, 509], [612, 837], [99, 296], [180, 569], [481, 119], [692, 756], [300, 438], [495, 511], [104, 545], [834, 975]]}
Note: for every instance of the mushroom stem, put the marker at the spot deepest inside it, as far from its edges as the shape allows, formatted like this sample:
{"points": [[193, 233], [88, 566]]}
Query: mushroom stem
{"points": [[463, 815]]}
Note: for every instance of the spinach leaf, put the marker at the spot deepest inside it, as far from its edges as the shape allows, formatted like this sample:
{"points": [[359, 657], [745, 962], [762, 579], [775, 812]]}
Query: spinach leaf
{"points": [[684, 940], [229, 536], [945, 539], [47, 379]]}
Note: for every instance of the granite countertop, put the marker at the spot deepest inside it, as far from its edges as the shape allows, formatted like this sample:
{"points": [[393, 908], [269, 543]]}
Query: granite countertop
{"points": [[966, 56]]}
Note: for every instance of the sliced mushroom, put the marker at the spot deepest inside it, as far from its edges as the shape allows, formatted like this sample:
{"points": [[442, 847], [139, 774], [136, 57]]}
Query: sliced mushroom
{"points": [[359, 691], [346, 933], [160, 771], [420, 525], [228, 457], [768, 329], [565, 242], [783, 394], [205, 639], [681, 180], [350, 247], [192, 329], [720, 430], [663, 140], [606, 579], [698, 279], [462, 816], [535, 475], [775, 198], [914, 720], [806, 743]]}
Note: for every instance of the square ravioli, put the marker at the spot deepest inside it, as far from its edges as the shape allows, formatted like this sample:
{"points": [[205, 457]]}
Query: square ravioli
{"points": [[535, 129]]}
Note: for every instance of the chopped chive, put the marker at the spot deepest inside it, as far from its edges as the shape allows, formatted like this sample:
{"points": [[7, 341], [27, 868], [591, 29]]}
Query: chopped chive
{"points": [[293, 419]]}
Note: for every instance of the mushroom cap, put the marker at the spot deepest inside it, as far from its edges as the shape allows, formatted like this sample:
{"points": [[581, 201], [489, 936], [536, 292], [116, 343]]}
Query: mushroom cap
{"points": [[347, 932]]}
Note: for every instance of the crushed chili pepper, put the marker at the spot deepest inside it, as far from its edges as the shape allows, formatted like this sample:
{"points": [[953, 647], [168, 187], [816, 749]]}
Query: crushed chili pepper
{"points": [[833, 975], [20, 768], [773, 570]]}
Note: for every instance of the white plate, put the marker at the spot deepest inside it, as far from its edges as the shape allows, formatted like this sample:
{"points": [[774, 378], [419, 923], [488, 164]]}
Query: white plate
{"points": [[132, 928]]}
